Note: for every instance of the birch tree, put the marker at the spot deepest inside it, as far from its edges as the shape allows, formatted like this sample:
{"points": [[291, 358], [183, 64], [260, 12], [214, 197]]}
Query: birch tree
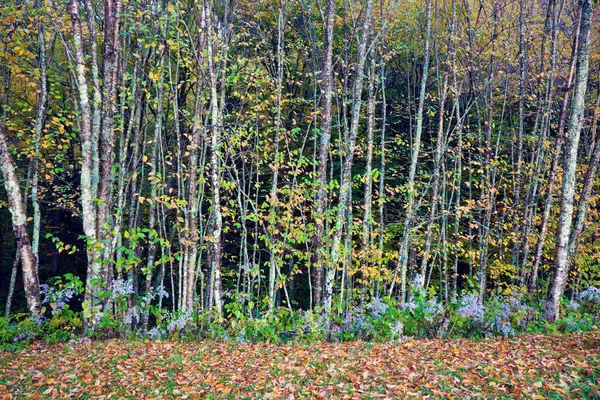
{"points": [[563, 232], [17, 210]]}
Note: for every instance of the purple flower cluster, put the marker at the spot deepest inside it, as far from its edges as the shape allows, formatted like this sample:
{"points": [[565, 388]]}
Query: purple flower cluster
{"points": [[591, 294], [44, 289], [26, 329], [57, 298], [432, 309], [512, 312], [156, 333], [24, 335], [471, 307], [378, 307], [157, 292], [122, 287], [37, 319], [443, 328], [503, 326], [573, 305], [410, 305], [397, 329], [144, 303], [355, 320], [418, 285], [132, 316], [180, 322], [521, 313], [546, 308]]}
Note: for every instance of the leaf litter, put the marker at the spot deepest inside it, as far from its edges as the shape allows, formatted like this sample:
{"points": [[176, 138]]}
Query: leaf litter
{"points": [[563, 366]]}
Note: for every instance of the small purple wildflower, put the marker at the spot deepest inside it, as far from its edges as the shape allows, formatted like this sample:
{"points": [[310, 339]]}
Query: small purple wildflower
{"points": [[179, 323], [591, 294], [573, 305], [378, 307], [355, 320], [410, 305], [156, 333], [56, 297], [37, 319], [471, 307], [432, 309], [503, 327], [397, 329], [122, 287]]}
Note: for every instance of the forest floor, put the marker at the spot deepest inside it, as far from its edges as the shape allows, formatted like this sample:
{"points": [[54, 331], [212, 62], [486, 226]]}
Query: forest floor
{"points": [[529, 366]]}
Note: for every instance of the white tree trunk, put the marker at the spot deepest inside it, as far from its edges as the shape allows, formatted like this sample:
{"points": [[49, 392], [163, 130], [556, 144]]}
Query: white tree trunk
{"points": [[561, 260]]}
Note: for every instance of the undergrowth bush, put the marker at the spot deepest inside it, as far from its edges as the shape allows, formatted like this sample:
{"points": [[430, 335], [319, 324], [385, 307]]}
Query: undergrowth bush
{"points": [[379, 319]]}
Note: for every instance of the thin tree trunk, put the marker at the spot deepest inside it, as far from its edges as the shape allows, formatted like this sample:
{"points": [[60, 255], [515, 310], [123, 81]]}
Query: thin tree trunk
{"points": [[368, 185], [112, 20], [435, 184], [414, 158], [17, 259], [487, 193], [458, 172], [97, 97], [588, 184], [554, 165], [382, 165], [274, 238], [519, 146], [154, 183], [215, 160], [18, 213], [38, 126], [327, 91], [88, 205], [345, 185], [13, 283]]}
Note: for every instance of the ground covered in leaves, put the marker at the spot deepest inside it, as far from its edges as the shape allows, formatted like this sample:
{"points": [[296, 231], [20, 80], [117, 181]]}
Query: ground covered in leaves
{"points": [[532, 366]]}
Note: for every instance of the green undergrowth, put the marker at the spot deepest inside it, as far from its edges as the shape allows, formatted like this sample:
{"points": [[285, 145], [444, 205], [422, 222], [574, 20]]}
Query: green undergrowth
{"points": [[422, 315]]}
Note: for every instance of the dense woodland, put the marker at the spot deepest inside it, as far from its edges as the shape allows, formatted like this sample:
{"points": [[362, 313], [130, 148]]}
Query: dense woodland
{"points": [[310, 155]]}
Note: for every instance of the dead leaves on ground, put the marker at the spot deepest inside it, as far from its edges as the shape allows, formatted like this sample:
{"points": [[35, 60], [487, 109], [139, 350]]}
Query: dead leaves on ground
{"points": [[533, 366]]}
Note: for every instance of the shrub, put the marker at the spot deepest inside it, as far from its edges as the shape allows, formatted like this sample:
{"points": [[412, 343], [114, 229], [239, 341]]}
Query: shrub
{"points": [[381, 319]]}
